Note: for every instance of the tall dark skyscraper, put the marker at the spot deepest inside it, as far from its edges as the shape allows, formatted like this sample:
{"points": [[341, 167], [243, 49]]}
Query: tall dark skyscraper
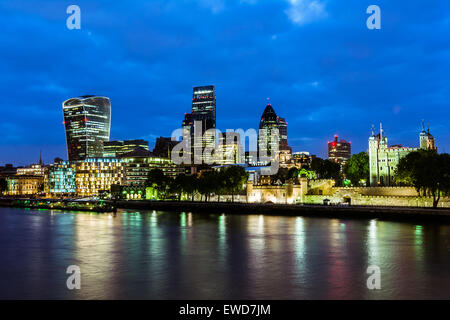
{"points": [[204, 106], [204, 114], [268, 145], [87, 121]]}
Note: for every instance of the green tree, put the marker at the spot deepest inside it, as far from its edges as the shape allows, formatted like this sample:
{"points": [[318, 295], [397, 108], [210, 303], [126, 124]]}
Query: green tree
{"points": [[178, 186], [282, 175], [427, 171], [207, 184], [357, 168], [3, 185], [293, 173], [191, 186], [157, 180], [326, 169], [235, 178]]}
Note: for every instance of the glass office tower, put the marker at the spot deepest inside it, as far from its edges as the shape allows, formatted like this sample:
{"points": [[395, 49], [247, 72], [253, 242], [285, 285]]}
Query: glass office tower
{"points": [[87, 122], [203, 115]]}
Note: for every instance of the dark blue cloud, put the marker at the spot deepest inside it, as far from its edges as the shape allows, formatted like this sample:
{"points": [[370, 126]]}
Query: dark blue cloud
{"points": [[324, 71]]}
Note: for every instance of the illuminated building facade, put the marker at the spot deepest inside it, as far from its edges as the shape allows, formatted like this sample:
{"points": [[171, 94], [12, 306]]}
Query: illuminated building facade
{"points": [[426, 139], [94, 175], [139, 163], [117, 148], [60, 179], [200, 122], [33, 170], [87, 122], [339, 151], [302, 159], [230, 149], [25, 185], [383, 159], [272, 138]]}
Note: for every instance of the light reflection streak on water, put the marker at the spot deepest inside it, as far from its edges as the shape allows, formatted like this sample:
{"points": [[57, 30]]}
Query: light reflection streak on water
{"points": [[372, 243], [94, 232], [300, 250], [338, 269], [256, 245], [418, 246], [222, 236]]}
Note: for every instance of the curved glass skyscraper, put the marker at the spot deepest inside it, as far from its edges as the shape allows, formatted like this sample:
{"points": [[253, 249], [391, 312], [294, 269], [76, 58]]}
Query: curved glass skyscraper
{"points": [[87, 121]]}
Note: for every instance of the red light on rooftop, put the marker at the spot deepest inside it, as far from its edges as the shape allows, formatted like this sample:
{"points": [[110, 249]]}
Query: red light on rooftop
{"points": [[85, 120]]}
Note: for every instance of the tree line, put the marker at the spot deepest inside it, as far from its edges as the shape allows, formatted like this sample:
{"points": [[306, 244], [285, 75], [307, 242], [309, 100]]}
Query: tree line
{"points": [[225, 181], [427, 171]]}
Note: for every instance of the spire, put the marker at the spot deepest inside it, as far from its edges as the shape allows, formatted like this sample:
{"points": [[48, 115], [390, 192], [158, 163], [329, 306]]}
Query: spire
{"points": [[381, 130], [40, 157], [423, 125], [428, 127], [373, 130]]}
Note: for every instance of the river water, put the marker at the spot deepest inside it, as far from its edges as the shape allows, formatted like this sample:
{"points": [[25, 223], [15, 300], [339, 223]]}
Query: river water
{"points": [[176, 255]]}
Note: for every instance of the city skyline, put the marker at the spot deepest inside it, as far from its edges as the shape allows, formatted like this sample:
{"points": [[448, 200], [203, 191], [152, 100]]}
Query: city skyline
{"points": [[328, 75]]}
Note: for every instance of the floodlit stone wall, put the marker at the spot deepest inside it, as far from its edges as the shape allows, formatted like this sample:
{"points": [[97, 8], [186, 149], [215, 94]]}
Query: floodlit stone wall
{"points": [[316, 191]]}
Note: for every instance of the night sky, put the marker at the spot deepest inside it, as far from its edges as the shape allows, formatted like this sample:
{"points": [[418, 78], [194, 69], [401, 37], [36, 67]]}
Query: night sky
{"points": [[323, 70]]}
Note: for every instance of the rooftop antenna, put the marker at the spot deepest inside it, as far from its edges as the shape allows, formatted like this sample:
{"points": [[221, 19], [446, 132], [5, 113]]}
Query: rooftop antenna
{"points": [[428, 127], [381, 130], [373, 130], [40, 157], [423, 125]]}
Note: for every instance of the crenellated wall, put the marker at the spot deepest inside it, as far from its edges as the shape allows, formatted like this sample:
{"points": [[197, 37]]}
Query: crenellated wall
{"points": [[316, 191], [394, 201]]}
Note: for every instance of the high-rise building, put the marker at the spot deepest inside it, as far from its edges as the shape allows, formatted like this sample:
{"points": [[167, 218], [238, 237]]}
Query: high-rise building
{"points": [[339, 151], [200, 122], [272, 137], [87, 121], [230, 150], [204, 106]]}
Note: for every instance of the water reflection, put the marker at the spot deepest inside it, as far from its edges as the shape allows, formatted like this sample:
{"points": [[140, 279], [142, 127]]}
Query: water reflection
{"points": [[158, 255]]}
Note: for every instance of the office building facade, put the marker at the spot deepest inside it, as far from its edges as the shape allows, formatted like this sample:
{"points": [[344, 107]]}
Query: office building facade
{"points": [[87, 122], [117, 148], [200, 124], [339, 151]]}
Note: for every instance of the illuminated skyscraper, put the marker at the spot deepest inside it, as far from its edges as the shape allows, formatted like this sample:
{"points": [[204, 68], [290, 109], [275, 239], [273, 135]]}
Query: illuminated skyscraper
{"points": [[87, 121], [202, 118], [272, 137], [339, 151]]}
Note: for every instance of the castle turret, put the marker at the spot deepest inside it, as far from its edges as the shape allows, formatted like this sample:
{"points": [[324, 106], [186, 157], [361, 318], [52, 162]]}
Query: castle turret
{"points": [[373, 156], [426, 138]]}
